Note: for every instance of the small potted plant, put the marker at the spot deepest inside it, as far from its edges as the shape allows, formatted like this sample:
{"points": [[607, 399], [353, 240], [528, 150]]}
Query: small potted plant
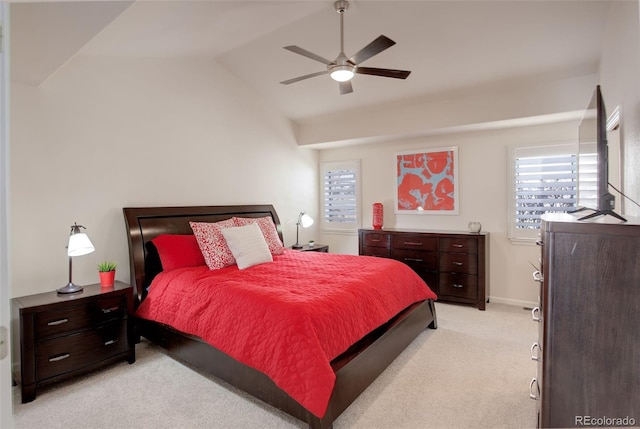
{"points": [[107, 271]]}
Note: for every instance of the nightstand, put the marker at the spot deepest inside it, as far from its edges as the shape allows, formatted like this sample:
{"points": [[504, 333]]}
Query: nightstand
{"points": [[61, 336], [324, 248]]}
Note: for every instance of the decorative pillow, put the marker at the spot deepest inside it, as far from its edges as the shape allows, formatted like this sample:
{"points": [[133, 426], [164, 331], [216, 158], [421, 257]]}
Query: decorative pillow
{"points": [[268, 229], [247, 245], [212, 244], [178, 251]]}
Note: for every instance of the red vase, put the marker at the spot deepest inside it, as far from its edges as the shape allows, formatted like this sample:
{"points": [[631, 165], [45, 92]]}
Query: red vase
{"points": [[377, 215]]}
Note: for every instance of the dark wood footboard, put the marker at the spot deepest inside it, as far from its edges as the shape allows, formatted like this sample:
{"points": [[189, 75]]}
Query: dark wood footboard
{"points": [[355, 369]]}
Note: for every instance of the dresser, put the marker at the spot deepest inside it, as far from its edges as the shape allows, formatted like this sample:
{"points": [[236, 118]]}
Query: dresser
{"points": [[455, 265], [58, 336], [588, 346]]}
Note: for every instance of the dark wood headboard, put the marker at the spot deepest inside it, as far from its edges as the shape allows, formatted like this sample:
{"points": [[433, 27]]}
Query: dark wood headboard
{"points": [[145, 223]]}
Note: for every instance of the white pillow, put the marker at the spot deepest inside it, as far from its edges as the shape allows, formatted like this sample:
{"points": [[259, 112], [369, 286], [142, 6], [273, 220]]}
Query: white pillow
{"points": [[247, 245]]}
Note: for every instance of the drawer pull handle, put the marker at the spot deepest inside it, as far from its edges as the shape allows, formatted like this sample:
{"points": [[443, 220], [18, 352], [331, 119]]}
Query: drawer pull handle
{"points": [[108, 343], [459, 264], [457, 245], [59, 357], [533, 395], [535, 356], [376, 240], [413, 243], [413, 259], [57, 322], [459, 286], [537, 276], [110, 310], [534, 314]]}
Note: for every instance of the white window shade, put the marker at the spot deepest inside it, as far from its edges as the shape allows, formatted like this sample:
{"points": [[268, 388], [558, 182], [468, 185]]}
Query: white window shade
{"points": [[544, 180], [340, 195]]}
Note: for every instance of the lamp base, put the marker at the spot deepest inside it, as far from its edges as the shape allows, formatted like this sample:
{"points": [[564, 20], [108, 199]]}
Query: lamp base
{"points": [[70, 288], [297, 246]]}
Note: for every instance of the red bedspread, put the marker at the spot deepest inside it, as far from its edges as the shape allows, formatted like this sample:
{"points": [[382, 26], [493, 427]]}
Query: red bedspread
{"points": [[288, 318]]}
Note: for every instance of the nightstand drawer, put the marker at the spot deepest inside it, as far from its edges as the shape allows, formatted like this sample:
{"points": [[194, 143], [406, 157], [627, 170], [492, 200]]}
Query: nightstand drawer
{"points": [[82, 316], [64, 320], [72, 352], [459, 263]]}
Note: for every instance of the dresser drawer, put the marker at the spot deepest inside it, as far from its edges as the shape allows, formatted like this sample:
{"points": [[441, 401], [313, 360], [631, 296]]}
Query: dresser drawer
{"points": [[418, 260], [59, 321], [381, 252], [61, 355], [458, 285], [460, 245], [458, 263], [414, 241], [376, 239]]}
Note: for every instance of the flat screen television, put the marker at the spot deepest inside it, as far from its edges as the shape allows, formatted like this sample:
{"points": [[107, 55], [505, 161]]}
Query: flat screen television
{"points": [[593, 161]]}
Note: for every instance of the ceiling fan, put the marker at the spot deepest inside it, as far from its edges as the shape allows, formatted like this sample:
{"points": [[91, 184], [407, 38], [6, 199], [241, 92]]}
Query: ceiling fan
{"points": [[343, 68]]}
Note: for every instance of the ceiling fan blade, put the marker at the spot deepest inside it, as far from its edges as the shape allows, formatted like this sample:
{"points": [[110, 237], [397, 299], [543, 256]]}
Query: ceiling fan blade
{"points": [[305, 53], [373, 48], [306, 76], [397, 74], [345, 87]]}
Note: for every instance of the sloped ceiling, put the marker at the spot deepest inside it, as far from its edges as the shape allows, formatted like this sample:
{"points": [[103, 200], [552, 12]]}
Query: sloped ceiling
{"points": [[448, 45]]}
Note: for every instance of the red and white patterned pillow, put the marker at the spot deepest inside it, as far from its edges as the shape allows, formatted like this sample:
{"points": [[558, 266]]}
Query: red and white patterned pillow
{"points": [[212, 244], [268, 229]]}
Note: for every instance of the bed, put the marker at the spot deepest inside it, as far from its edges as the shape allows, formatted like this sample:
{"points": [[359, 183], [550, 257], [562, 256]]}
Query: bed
{"points": [[353, 370]]}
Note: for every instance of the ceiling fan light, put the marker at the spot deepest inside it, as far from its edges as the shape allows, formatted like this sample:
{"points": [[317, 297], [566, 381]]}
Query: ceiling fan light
{"points": [[342, 73]]}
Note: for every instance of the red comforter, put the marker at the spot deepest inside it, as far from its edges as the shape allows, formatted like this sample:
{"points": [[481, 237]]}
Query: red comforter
{"points": [[289, 318]]}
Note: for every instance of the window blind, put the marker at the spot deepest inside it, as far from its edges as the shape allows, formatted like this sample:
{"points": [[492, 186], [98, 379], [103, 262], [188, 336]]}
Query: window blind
{"points": [[544, 184], [340, 196]]}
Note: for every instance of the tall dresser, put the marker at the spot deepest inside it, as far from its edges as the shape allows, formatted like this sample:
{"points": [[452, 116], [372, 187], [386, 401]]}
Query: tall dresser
{"points": [[453, 264], [588, 347]]}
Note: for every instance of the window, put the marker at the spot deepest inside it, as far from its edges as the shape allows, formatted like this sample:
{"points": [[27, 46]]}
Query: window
{"points": [[544, 179], [340, 192]]}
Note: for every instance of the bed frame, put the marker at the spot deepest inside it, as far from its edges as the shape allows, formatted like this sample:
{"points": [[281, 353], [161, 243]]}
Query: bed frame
{"points": [[355, 369]]}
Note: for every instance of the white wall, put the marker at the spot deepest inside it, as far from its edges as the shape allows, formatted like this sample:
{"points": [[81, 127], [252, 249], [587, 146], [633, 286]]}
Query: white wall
{"points": [[102, 134], [483, 170], [620, 80]]}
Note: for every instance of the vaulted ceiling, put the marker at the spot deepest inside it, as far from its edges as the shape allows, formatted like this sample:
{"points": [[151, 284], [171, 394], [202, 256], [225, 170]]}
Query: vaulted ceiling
{"points": [[448, 45]]}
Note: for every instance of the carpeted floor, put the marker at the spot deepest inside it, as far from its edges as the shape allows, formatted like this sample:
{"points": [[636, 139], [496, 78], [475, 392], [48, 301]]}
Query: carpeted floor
{"points": [[472, 372]]}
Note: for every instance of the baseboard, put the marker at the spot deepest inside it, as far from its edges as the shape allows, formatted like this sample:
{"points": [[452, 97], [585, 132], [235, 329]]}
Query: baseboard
{"points": [[516, 302]]}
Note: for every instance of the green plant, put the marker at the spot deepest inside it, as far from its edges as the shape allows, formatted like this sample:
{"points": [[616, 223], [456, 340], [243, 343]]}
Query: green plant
{"points": [[107, 266]]}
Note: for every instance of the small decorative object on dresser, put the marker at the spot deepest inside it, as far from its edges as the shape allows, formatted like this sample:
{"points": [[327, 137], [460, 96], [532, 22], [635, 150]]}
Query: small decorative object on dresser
{"points": [[107, 272], [475, 227], [378, 215], [60, 336], [455, 265]]}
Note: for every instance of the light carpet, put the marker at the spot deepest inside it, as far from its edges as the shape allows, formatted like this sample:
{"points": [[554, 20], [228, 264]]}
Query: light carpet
{"points": [[471, 372]]}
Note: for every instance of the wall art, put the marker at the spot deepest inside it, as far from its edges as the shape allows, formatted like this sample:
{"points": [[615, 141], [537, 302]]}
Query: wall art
{"points": [[427, 181]]}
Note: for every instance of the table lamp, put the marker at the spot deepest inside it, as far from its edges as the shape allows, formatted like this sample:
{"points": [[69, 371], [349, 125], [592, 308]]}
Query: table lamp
{"points": [[79, 244], [305, 221]]}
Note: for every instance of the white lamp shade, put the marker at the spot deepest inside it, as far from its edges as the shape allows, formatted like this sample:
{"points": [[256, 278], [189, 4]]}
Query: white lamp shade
{"points": [[306, 221], [79, 244]]}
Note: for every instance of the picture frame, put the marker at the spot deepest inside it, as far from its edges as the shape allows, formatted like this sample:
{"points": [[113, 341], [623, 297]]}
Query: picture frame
{"points": [[427, 181]]}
